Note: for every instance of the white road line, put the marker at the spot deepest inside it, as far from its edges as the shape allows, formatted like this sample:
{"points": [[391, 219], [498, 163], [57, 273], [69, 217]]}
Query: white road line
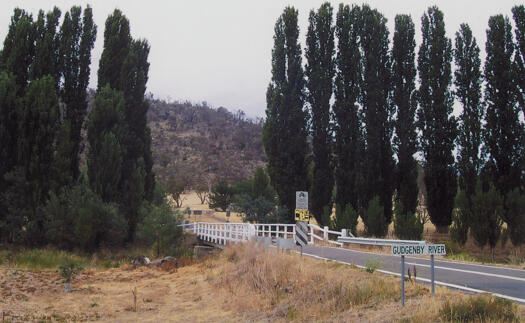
{"points": [[465, 288], [468, 271], [427, 259]]}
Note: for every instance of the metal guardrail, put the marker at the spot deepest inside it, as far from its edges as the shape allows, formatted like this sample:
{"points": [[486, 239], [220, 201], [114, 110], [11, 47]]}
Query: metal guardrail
{"points": [[379, 242]]}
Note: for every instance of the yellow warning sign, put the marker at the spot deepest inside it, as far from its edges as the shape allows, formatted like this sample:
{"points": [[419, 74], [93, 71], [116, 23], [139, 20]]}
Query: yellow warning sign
{"points": [[302, 215]]}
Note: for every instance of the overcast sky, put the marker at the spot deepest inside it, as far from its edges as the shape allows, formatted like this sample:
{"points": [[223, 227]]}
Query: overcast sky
{"points": [[220, 51]]}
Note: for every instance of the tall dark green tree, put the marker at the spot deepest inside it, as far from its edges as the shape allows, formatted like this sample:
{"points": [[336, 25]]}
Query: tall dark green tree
{"points": [[124, 67], [320, 69], [38, 124], [105, 132], [403, 81], [347, 124], [77, 38], [377, 110], [46, 60], [503, 131], [285, 130], [518, 13], [435, 120], [467, 81]]}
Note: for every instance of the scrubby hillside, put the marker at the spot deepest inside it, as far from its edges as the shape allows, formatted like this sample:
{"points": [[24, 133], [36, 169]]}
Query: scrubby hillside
{"points": [[202, 142]]}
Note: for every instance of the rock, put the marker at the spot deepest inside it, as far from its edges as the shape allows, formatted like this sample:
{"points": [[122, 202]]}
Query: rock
{"points": [[140, 261], [168, 259]]}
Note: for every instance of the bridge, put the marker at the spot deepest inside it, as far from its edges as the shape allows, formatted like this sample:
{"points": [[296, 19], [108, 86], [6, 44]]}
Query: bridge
{"points": [[500, 281]]}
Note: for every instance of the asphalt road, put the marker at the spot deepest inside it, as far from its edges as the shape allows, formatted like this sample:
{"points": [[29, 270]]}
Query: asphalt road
{"points": [[503, 282]]}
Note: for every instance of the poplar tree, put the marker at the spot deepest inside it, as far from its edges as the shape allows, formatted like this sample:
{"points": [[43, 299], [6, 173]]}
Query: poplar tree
{"points": [[320, 72], [285, 131], [77, 37], [347, 123], [377, 112], [518, 13], [124, 68], [467, 81], [405, 140], [435, 120], [503, 131]]}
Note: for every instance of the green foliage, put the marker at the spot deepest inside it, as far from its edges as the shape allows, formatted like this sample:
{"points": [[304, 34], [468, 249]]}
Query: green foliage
{"points": [[175, 186], [467, 80], [407, 225], [348, 145], [372, 264], [480, 308], [77, 38], [503, 133], [285, 129], [518, 13], [514, 216], [326, 219], [319, 71], [435, 119], [460, 219], [221, 195], [405, 140], [374, 219], [261, 185], [346, 219], [70, 270], [78, 218], [377, 110], [159, 228], [486, 222], [258, 209]]}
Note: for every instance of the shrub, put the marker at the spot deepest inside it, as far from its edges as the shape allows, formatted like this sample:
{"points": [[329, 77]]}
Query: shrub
{"points": [[78, 218], [485, 222], [480, 308], [159, 228], [259, 209], [371, 265], [515, 217], [346, 219], [375, 222], [460, 219], [406, 224], [221, 196]]}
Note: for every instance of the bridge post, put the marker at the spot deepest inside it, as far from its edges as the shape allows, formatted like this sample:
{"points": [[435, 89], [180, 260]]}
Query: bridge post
{"points": [[311, 234], [325, 233]]}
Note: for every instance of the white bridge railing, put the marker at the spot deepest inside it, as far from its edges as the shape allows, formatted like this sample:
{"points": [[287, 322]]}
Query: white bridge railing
{"points": [[223, 233]]}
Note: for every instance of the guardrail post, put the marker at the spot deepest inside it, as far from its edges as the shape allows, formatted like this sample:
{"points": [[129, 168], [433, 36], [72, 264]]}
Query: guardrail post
{"points": [[325, 233], [432, 273], [403, 281], [343, 232], [311, 235]]}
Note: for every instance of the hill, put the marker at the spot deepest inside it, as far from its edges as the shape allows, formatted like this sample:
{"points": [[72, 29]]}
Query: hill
{"points": [[202, 143]]}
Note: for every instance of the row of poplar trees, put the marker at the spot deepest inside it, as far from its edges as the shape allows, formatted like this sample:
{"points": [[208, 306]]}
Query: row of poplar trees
{"points": [[371, 108], [52, 190]]}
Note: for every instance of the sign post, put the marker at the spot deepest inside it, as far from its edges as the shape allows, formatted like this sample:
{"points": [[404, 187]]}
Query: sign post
{"points": [[417, 250]]}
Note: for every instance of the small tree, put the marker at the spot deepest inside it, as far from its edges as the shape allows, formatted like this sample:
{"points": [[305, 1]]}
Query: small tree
{"points": [[406, 224], [68, 272], [515, 217], [460, 219], [221, 196], [486, 222], [202, 191], [375, 222], [159, 228], [346, 218], [176, 186]]}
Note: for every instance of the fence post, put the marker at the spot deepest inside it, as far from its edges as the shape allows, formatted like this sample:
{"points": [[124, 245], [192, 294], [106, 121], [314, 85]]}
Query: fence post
{"points": [[311, 234], [325, 233], [343, 233]]}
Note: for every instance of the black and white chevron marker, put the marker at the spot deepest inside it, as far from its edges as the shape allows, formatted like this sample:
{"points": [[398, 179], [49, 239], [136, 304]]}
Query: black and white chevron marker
{"points": [[301, 233]]}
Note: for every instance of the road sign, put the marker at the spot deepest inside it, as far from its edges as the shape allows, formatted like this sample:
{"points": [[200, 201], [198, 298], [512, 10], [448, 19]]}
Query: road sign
{"points": [[302, 215], [418, 250], [301, 233], [301, 200]]}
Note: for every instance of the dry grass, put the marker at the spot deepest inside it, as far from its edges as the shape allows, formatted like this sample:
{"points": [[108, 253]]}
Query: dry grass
{"points": [[243, 283]]}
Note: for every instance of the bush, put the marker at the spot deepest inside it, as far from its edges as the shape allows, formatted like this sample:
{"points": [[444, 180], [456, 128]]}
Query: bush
{"points": [[480, 309], [460, 219], [375, 222], [485, 222], [159, 228], [78, 218], [258, 210], [407, 225], [346, 219], [221, 196], [515, 217]]}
